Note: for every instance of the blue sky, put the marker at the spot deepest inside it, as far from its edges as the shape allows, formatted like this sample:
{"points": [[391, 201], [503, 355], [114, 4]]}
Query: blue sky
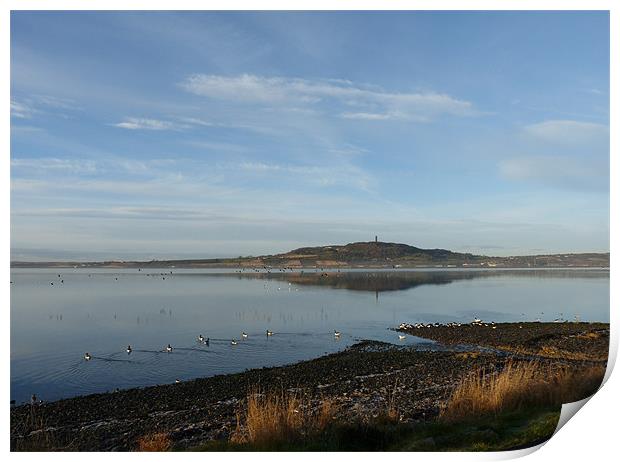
{"points": [[159, 135]]}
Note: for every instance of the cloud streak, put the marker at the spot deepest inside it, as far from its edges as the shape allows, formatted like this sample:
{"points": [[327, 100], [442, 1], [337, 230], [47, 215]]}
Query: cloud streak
{"points": [[378, 104], [567, 131], [28, 107], [337, 175], [136, 123], [21, 110], [557, 171], [74, 166]]}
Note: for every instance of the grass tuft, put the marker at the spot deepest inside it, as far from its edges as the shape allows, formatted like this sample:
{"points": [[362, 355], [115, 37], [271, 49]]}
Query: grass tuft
{"points": [[520, 385], [277, 418], [154, 442]]}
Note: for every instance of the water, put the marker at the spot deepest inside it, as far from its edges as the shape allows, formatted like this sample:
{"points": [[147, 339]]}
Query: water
{"points": [[102, 311]]}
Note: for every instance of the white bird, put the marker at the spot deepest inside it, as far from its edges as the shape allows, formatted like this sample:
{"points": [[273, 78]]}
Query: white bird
{"points": [[233, 342], [336, 333], [244, 335], [168, 348], [87, 356], [201, 339], [402, 337]]}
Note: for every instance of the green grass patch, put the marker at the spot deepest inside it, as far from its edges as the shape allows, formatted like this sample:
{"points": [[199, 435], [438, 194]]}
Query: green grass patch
{"points": [[494, 433]]}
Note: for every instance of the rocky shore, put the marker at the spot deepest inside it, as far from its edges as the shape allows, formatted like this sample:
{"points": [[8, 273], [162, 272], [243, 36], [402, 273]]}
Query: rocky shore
{"points": [[579, 341], [364, 380]]}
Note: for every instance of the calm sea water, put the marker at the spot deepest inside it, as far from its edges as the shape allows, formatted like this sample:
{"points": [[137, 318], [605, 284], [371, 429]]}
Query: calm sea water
{"points": [[102, 311]]}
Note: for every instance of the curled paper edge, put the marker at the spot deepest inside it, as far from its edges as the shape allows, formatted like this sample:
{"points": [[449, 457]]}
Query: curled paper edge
{"points": [[568, 411]]}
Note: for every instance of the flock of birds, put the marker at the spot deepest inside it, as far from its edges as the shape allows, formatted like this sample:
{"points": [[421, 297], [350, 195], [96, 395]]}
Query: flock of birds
{"points": [[205, 341], [420, 325], [477, 322]]}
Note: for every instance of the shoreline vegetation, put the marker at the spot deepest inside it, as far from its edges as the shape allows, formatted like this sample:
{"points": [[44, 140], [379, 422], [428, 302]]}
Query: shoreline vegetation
{"points": [[371, 255], [495, 387]]}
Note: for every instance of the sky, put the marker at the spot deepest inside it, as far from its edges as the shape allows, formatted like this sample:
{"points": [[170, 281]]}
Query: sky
{"points": [[140, 135]]}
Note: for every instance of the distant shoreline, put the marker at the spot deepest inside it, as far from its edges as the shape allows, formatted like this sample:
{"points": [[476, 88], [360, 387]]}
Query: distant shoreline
{"points": [[164, 265], [356, 255]]}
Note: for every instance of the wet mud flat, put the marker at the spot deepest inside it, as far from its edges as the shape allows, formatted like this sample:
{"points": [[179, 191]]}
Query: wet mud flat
{"points": [[363, 381], [577, 341]]}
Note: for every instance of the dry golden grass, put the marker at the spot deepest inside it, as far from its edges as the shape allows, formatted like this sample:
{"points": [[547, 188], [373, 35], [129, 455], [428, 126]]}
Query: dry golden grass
{"points": [[281, 417], [392, 413], [520, 385], [589, 335], [468, 355], [154, 442], [557, 353]]}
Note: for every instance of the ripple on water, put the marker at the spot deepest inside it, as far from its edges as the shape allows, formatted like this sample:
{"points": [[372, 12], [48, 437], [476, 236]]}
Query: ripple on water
{"points": [[52, 327]]}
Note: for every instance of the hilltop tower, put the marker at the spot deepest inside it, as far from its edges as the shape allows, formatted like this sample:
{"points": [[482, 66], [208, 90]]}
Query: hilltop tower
{"points": [[376, 239]]}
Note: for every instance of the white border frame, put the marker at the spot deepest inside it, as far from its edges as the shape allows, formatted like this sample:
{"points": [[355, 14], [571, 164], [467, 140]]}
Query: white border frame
{"points": [[592, 435]]}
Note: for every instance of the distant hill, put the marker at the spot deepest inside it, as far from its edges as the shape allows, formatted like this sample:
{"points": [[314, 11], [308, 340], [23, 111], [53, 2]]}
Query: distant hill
{"points": [[374, 250], [354, 255], [359, 253]]}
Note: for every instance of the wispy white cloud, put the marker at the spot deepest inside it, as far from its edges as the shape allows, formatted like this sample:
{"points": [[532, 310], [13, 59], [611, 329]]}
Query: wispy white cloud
{"points": [[365, 116], [25, 129], [378, 104], [27, 107], [136, 123], [198, 122], [75, 166], [55, 102], [161, 186], [139, 212], [217, 146], [557, 171], [567, 131], [348, 150], [21, 110], [342, 174]]}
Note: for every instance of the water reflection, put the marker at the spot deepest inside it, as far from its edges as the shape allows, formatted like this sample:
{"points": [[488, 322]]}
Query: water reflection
{"points": [[103, 311], [383, 281]]}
